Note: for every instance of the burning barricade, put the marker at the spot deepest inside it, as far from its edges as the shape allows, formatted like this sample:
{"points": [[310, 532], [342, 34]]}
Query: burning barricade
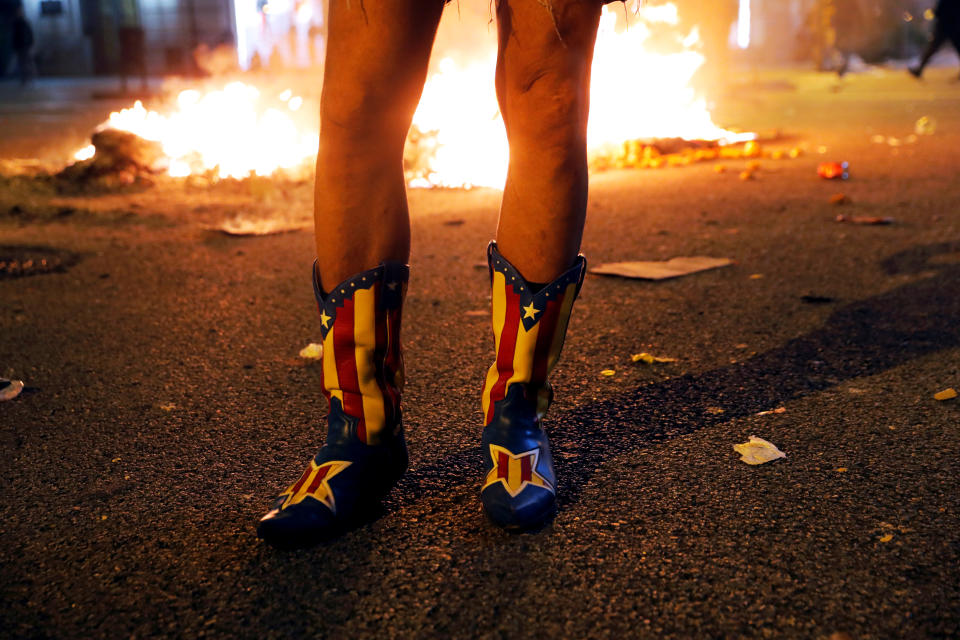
{"points": [[237, 130]]}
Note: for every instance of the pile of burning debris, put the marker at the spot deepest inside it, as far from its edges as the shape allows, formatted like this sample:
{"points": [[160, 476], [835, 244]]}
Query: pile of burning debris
{"points": [[678, 152], [121, 159]]}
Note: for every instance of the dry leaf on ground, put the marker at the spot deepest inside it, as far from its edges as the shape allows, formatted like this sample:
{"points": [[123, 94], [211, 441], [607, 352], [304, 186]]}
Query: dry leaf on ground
{"points": [[946, 394], [312, 351], [651, 270], [771, 411], [10, 389], [865, 220], [758, 451], [650, 358]]}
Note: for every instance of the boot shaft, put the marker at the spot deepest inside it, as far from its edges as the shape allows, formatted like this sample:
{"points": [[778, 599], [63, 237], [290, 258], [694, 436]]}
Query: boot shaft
{"points": [[529, 328], [362, 375]]}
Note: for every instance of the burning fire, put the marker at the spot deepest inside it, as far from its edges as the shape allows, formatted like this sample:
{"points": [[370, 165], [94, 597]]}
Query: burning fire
{"points": [[636, 93], [233, 132]]}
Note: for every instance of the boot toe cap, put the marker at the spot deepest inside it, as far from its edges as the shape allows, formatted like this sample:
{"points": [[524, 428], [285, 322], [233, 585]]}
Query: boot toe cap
{"points": [[532, 507], [300, 525]]}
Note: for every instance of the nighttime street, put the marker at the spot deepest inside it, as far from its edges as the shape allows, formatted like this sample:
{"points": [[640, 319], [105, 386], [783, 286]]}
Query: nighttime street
{"points": [[157, 324], [165, 405]]}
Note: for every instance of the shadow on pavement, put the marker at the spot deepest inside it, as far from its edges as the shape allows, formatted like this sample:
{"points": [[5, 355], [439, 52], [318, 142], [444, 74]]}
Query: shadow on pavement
{"points": [[860, 339]]}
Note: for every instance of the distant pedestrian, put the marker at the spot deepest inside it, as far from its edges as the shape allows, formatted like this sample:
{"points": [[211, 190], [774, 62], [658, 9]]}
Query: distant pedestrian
{"points": [[850, 24], [946, 27], [23, 46]]}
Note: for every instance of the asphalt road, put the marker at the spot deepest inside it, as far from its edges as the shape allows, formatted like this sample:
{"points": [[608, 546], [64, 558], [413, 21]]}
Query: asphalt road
{"points": [[167, 406]]}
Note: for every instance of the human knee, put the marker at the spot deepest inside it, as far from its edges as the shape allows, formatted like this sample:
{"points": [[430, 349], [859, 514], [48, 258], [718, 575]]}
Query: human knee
{"points": [[377, 105], [548, 109], [546, 70]]}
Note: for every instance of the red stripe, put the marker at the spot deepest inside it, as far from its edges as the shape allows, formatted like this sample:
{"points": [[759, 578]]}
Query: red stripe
{"points": [[541, 353], [321, 474], [503, 465], [508, 344], [393, 361], [525, 475], [380, 352], [303, 478], [344, 346]]}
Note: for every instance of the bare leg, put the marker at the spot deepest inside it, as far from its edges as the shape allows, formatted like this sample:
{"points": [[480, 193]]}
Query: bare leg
{"points": [[376, 64], [543, 81]]}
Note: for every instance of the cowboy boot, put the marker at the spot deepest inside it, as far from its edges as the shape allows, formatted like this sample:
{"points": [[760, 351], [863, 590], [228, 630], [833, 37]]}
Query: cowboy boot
{"points": [[519, 486], [362, 378]]}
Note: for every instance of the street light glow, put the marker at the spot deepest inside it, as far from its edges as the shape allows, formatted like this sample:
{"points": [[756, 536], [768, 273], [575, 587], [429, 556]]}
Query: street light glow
{"points": [[743, 25]]}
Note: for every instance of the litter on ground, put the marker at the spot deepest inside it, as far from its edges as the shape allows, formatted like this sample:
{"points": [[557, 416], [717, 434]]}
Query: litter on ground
{"points": [[10, 389], [313, 351], [652, 270], [758, 451]]}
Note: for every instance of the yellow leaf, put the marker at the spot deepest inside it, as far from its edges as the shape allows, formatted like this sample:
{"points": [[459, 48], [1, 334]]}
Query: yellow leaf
{"points": [[887, 537], [758, 451], [608, 372], [312, 351], [650, 358], [772, 411], [946, 394]]}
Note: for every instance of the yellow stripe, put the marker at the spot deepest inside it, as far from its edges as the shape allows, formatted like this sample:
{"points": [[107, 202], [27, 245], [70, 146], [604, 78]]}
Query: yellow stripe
{"points": [[513, 476], [523, 355], [365, 341], [561, 329], [331, 381], [499, 315]]}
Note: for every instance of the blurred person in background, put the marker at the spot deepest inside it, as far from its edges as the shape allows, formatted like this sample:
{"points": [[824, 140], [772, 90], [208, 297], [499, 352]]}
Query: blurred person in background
{"points": [[22, 40], [946, 26], [850, 23]]}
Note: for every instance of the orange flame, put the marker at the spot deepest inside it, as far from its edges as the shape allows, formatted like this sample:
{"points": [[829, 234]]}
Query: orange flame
{"points": [[636, 93]]}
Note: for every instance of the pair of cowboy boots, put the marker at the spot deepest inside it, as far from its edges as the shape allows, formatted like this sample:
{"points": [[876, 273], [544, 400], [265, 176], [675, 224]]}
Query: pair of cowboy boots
{"points": [[362, 378]]}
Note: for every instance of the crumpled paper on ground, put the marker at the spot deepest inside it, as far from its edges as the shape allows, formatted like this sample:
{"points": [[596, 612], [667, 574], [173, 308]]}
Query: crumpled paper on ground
{"points": [[650, 270], [758, 451]]}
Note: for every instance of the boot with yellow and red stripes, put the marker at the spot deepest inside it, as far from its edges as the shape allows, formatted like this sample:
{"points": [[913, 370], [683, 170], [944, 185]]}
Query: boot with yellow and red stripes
{"points": [[529, 325], [362, 378]]}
